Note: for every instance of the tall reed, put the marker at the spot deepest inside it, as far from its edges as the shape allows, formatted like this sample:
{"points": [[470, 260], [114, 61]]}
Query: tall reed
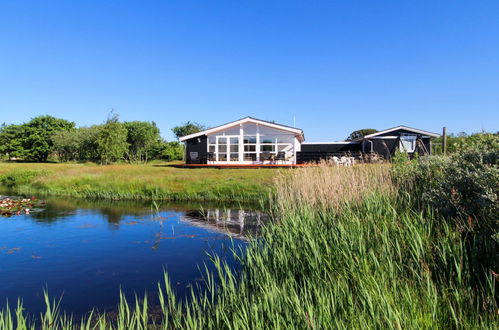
{"points": [[328, 186]]}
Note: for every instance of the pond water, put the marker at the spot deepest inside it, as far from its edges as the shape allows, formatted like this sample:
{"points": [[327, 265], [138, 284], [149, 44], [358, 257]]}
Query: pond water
{"points": [[85, 252]]}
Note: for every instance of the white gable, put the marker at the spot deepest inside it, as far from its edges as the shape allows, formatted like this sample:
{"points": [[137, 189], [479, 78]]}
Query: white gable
{"points": [[296, 131]]}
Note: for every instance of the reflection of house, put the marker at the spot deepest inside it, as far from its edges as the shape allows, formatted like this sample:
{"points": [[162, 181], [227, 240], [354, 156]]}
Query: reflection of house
{"points": [[255, 141], [238, 222]]}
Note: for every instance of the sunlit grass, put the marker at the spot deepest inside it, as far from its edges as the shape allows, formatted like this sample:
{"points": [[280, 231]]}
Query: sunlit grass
{"points": [[144, 182]]}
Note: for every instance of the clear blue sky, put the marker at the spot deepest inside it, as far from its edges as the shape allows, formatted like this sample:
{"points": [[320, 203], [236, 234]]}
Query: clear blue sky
{"points": [[336, 66]]}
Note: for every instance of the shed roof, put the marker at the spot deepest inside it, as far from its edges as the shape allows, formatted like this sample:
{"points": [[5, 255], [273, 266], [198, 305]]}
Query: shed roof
{"points": [[401, 127]]}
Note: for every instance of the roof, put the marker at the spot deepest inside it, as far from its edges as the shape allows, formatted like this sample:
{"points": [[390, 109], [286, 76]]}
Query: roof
{"points": [[295, 130], [401, 127]]}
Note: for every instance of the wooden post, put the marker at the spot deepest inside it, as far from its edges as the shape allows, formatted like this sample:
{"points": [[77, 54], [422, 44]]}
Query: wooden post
{"points": [[444, 140]]}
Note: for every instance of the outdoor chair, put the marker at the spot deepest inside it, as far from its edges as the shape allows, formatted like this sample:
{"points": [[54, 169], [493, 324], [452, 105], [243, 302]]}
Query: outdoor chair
{"points": [[210, 157], [266, 156], [281, 156]]}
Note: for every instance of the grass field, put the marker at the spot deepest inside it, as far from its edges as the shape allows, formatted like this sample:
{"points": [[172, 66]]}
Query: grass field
{"points": [[137, 182]]}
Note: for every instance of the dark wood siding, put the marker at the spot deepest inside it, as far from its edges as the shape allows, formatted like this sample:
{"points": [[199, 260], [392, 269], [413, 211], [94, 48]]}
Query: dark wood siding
{"points": [[336, 147], [427, 144], [312, 153], [385, 147], [197, 146]]}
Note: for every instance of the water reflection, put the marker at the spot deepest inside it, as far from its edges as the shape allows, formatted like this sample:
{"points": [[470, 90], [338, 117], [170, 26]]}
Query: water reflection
{"points": [[88, 250], [229, 219], [237, 222]]}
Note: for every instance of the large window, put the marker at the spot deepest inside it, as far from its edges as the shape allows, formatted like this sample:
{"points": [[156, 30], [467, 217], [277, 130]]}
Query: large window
{"points": [[407, 142], [222, 148], [251, 143], [234, 149]]}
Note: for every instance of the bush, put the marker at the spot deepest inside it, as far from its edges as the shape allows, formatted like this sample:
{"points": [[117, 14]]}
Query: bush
{"points": [[462, 188], [19, 177], [463, 142]]}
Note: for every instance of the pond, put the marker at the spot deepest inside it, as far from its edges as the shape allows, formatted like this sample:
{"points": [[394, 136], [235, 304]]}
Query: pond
{"points": [[85, 252]]}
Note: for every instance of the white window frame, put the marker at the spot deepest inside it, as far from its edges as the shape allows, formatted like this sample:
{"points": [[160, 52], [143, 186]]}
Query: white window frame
{"points": [[290, 148]]}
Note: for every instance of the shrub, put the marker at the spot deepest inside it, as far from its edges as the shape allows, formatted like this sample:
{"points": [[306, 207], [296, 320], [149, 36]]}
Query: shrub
{"points": [[19, 177], [462, 188]]}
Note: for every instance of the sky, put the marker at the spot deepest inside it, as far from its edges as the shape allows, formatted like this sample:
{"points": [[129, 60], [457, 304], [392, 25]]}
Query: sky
{"points": [[331, 67]]}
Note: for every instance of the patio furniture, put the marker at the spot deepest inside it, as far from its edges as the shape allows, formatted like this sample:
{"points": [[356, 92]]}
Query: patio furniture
{"points": [[210, 157], [266, 156], [281, 156]]}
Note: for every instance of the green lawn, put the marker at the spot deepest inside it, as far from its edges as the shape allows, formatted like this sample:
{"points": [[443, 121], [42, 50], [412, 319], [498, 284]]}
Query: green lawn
{"points": [[149, 181]]}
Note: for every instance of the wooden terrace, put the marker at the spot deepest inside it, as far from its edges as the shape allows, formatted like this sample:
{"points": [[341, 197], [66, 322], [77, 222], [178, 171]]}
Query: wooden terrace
{"points": [[239, 166]]}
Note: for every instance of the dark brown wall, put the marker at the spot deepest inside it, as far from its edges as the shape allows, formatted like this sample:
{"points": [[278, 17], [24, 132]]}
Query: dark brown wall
{"points": [[198, 145], [337, 147]]}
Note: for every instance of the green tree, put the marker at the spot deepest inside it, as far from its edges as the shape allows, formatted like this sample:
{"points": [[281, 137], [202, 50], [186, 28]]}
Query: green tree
{"points": [[11, 145], [67, 145], [141, 138], [188, 128], [37, 136], [461, 142], [360, 133], [111, 141], [88, 146], [173, 150]]}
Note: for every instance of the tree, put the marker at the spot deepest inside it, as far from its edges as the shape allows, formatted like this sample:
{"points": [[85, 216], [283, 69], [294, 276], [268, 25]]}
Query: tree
{"points": [[88, 147], [11, 141], [37, 136], [111, 140], [461, 142], [173, 150], [141, 137], [67, 145], [360, 133], [188, 128], [79, 144]]}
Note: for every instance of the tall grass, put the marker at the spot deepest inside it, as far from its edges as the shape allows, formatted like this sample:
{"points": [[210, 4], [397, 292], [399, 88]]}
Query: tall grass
{"points": [[329, 187], [360, 259]]}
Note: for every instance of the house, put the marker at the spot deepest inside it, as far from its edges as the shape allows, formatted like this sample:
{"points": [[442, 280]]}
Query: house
{"points": [[245, 141], [384, 143], [251, 141]]}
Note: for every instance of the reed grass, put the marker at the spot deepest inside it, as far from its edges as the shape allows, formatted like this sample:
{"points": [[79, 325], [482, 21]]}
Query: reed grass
{"points": [[347, 260], [327, 186]]}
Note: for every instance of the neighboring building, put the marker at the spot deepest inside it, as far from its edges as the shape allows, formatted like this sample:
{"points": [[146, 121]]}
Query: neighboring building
{"points": [[401, 138], [384, 143], [255, 141], [244, 141]]}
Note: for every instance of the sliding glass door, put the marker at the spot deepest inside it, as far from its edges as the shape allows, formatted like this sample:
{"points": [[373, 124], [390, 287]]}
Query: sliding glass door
{"points": [[227, 148]]}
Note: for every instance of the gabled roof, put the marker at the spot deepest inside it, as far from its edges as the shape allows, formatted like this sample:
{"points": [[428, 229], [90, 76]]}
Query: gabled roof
{"points": [[297, 131], [401, 127]]}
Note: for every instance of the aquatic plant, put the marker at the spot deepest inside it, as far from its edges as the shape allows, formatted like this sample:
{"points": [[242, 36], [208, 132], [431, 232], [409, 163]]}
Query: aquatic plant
{"points": [[16, 206]]}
